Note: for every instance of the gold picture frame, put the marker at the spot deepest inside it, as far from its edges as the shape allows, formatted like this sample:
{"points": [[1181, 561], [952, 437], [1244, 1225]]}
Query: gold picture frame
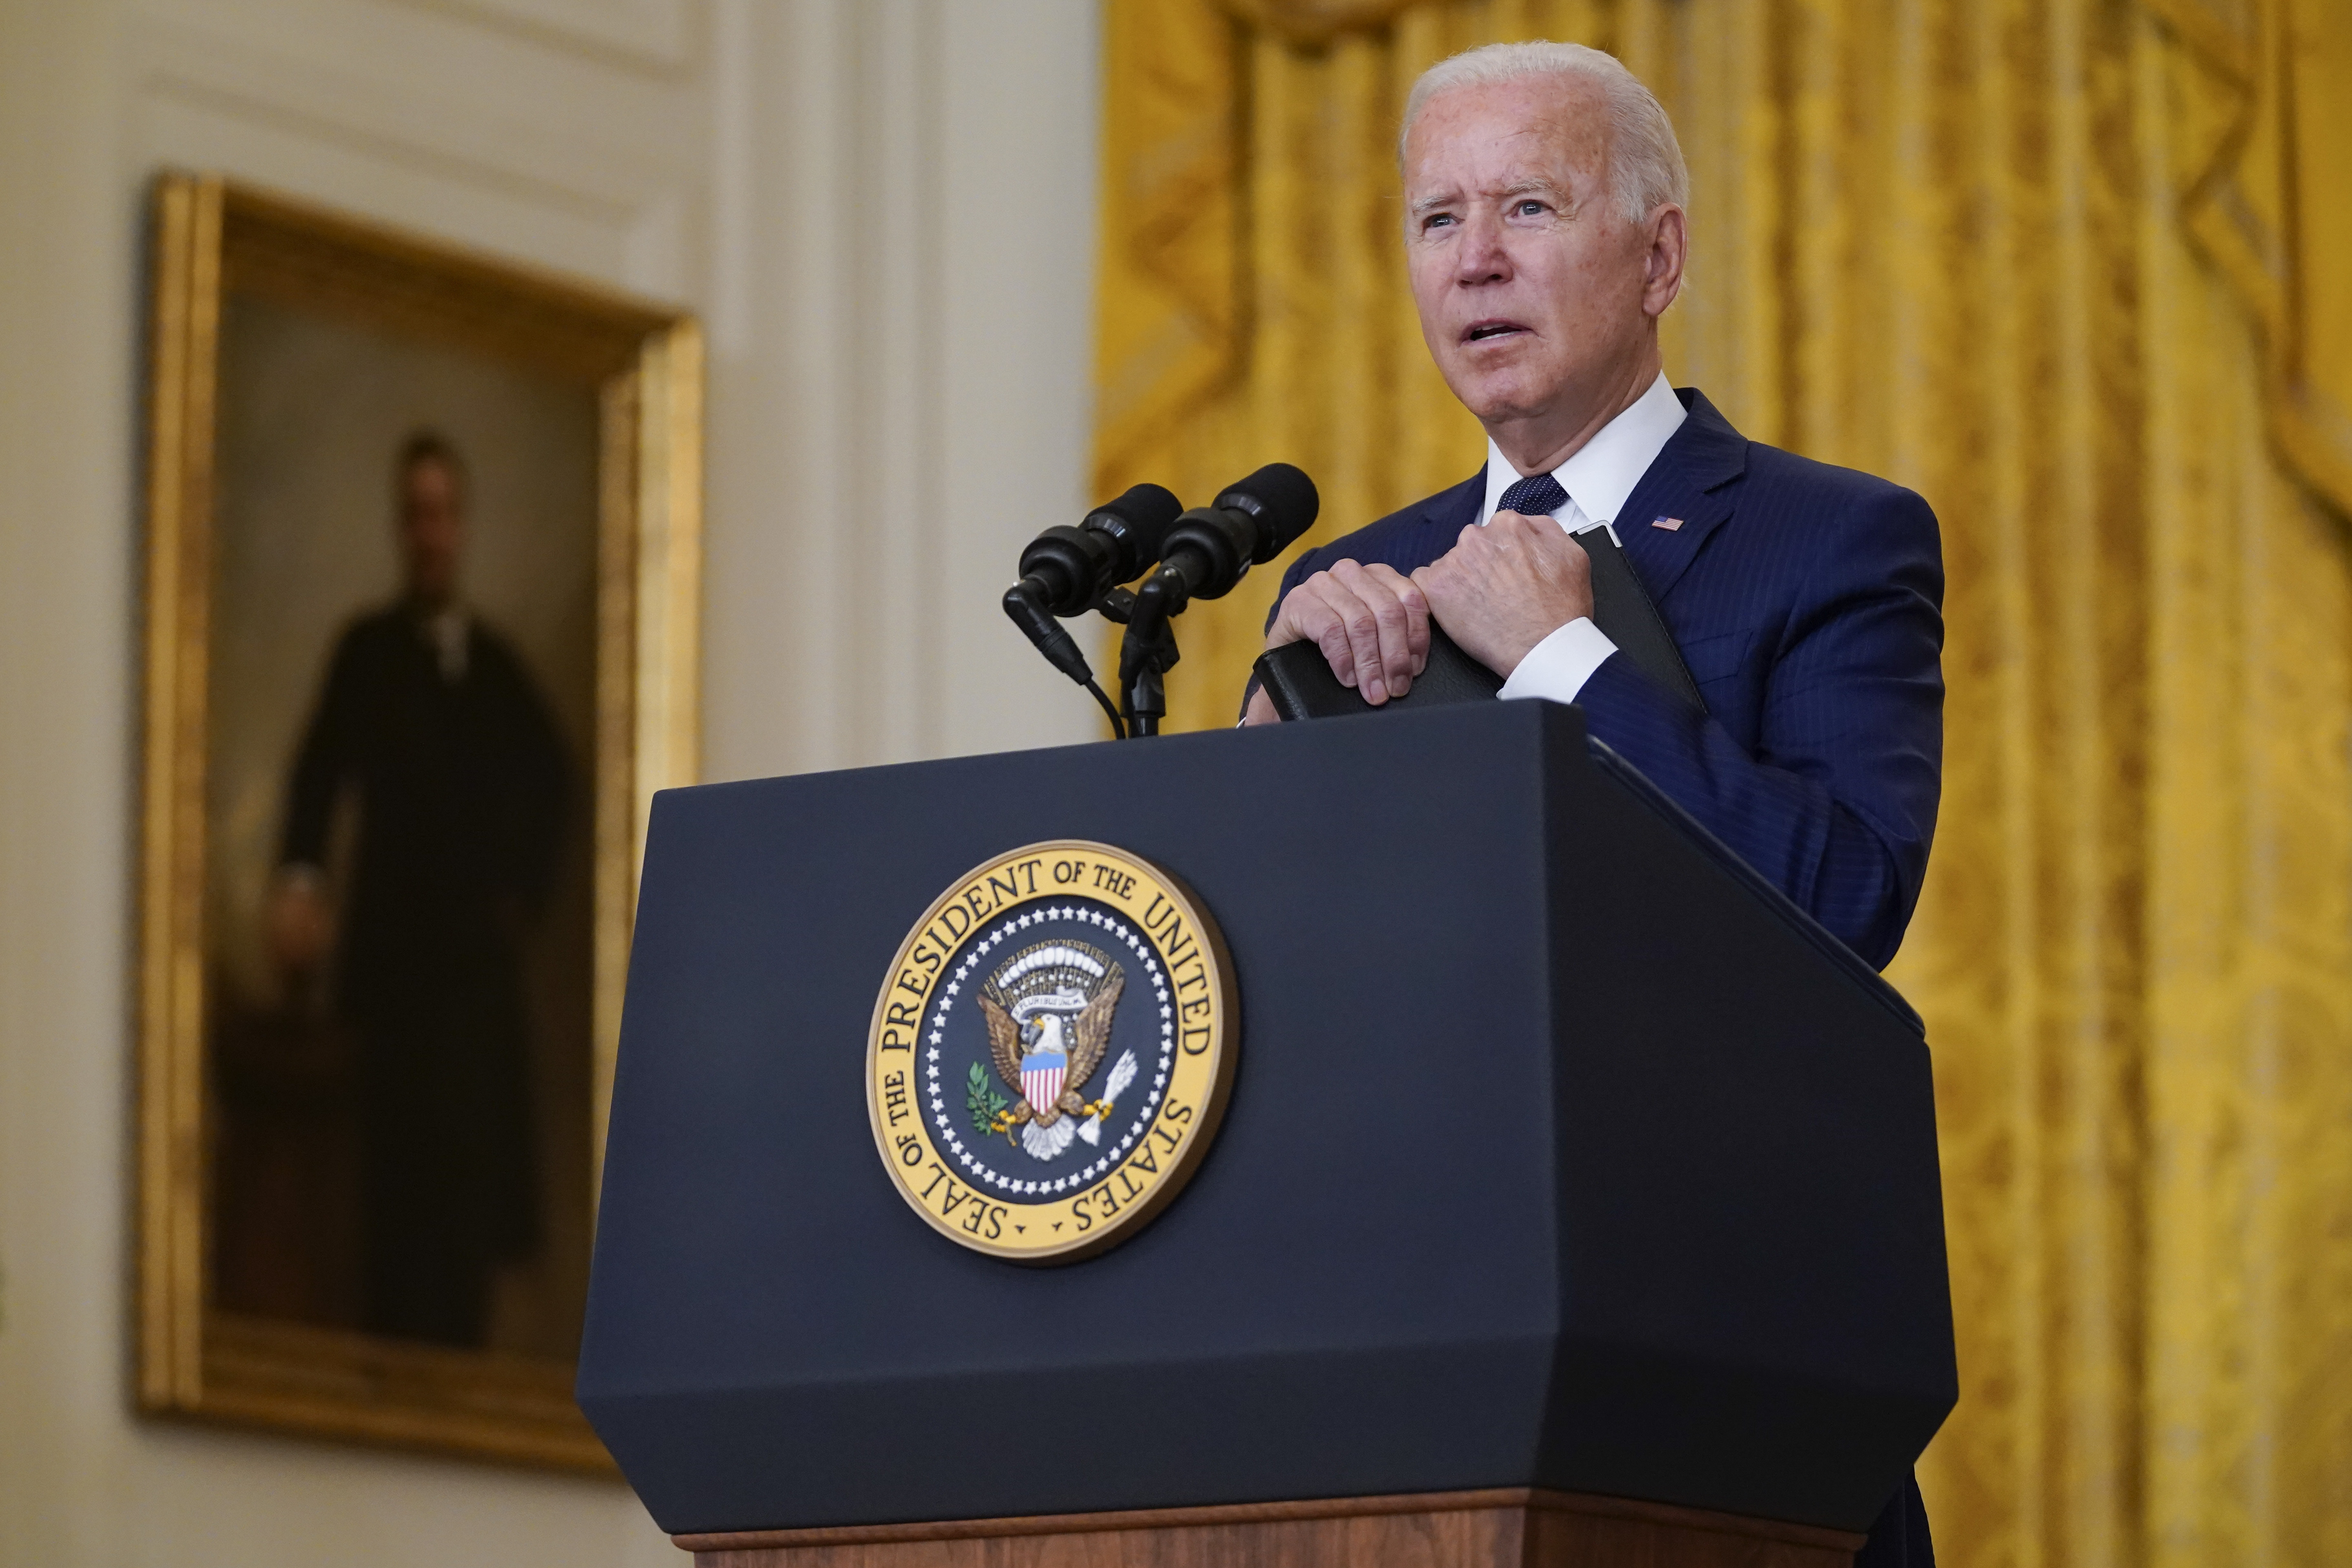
{"points": [[215, 241]]}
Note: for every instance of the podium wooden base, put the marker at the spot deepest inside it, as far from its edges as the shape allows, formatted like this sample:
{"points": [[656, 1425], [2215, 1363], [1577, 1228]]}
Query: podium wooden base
{"points": [[1501, 1528]]}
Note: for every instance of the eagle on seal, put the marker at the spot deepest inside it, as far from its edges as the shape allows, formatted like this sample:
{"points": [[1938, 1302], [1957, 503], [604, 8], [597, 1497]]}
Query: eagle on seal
{"points": [[1047, 1043]]}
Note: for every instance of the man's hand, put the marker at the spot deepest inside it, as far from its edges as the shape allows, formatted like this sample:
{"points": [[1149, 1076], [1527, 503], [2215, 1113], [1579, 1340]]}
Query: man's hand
{"points": [[301, 925], [1371, 623], [1504, 587]]}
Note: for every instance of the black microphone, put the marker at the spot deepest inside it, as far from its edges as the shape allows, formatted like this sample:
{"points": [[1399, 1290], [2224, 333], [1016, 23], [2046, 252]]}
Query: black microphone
{"points": [[1209, 549], [1064, 570]]}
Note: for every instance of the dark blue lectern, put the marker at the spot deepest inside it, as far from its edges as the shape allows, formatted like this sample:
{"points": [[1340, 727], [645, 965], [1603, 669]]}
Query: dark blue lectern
{"points": [[1564, 1159]]}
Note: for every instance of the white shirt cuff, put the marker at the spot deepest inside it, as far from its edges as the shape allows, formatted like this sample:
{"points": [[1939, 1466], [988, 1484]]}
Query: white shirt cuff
{"points": [[1557, 666]]}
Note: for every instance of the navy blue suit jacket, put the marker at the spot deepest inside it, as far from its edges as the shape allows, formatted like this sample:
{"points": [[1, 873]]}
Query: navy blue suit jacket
{"points": [[1806, 600]]}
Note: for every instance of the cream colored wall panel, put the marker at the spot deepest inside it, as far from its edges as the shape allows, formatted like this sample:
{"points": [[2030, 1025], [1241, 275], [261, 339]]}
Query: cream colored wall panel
{"points": [[655, 34], [665, 252], [480, 173], [453, 53], [175, 133], [900, 284], [1015, 352], [904, 490], [653, 247], [66, 348], [775, 666]]}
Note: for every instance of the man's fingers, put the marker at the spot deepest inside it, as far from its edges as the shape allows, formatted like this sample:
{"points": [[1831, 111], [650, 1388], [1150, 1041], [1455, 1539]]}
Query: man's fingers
{"points": [[1431, 583], [1412, 605], [1286, 627], [1391, 655], [1306, 616], [1360, 622], [1321, 610], [1406, 589], [1341, 626], [1504, 588], [1371, 623]]}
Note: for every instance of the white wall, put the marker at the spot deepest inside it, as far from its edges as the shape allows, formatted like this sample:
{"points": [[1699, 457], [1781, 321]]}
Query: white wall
{"points": [[884, 209], [899, 320]]}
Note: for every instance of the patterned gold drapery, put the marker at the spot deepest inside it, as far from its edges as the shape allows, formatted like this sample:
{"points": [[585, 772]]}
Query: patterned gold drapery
{"points": [[2265, 179], [2077, 271]]}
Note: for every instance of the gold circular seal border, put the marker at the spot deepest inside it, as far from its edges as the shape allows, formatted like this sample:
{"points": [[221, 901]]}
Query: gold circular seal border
{"points": [[1125, 1198]]}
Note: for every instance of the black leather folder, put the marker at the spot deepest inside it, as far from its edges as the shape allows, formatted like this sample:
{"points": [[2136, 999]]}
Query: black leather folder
{"points": [[1299, 681]]}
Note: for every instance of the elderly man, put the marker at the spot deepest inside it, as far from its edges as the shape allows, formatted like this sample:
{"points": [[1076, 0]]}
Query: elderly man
{"points": [[1544, 232]]}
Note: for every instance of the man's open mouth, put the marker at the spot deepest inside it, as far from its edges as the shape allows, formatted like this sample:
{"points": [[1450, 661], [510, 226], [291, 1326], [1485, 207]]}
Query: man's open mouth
{"points": [[1481, 331]]}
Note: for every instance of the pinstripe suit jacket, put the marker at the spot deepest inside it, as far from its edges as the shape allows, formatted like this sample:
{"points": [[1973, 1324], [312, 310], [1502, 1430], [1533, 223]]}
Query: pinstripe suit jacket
{"points": [[1806, 600]]}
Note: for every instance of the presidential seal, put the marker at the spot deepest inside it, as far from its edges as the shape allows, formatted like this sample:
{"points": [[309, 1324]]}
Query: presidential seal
{"points": [[1051, 1050]]}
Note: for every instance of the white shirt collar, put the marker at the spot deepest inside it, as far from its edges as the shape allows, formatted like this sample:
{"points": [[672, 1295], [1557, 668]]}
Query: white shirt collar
{"points": [[1605, 470]]}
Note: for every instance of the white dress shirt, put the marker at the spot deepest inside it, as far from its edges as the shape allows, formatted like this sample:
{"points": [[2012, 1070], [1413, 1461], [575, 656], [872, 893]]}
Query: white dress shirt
{"points": [[1598, 480]]}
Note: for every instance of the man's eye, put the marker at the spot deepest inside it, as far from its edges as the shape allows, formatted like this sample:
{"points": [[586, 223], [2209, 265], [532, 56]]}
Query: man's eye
{"points": [[1530, 208], [1437, 220]]}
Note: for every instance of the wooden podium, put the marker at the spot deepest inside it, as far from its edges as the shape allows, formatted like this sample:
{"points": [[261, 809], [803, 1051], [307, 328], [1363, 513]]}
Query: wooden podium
{"points": [[1576, 1200]]}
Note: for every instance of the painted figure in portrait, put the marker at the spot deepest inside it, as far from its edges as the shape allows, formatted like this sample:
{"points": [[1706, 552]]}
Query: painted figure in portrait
{"points": [[400, 710], [431, 719]]}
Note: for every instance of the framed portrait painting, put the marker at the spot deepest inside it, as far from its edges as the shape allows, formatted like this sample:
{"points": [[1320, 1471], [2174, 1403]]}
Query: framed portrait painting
{"points": [[422, 580]]}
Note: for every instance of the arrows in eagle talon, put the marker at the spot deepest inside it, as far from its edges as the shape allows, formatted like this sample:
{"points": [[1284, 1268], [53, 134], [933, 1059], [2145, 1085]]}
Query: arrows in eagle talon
{"points": [[1099, 1110]]}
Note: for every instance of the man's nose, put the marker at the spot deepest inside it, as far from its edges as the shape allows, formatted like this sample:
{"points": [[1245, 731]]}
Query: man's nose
{"points": [[1482, 257]]}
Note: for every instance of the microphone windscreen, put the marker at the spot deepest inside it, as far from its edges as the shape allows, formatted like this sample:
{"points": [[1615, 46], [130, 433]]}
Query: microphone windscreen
{"points": [[1282, 499], [1137, 521]]}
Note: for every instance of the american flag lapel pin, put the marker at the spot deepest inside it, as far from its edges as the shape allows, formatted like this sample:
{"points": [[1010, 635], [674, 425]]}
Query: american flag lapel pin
{"points": [[1668, 523]]}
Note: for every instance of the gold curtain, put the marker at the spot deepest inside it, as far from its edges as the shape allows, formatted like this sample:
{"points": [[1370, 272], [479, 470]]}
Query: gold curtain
{"points": [[2077, 271]]}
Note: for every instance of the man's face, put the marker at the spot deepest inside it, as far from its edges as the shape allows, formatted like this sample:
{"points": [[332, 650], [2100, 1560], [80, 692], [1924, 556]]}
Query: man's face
{"points": [[432, 530], [1530, 281]]}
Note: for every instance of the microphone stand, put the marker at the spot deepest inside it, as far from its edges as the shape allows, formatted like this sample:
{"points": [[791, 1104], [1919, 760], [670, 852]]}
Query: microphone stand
{"points": [[1145, 699]]}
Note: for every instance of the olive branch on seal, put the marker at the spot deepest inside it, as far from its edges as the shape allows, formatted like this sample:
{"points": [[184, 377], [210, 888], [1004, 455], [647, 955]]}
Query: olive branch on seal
{"points": [[983, 1101]]}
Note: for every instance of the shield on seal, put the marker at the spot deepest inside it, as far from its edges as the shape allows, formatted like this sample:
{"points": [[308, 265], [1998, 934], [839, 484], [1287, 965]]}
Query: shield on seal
{"points": [[1041, 1078]]}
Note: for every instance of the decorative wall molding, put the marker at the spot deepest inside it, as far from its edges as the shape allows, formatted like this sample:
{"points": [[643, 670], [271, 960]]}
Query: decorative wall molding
{"points": [[617, 207], [658, 36]]}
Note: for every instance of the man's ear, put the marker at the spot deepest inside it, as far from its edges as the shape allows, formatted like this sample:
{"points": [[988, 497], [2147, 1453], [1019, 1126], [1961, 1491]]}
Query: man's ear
{"points": [[1662, 277]]}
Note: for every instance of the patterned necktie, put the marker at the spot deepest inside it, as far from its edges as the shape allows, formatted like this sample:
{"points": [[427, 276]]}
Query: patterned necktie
{"points": [[1537, 495]]}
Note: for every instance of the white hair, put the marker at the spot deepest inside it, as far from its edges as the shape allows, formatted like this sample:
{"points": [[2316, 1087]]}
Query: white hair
{"points": [[1645, 162]]}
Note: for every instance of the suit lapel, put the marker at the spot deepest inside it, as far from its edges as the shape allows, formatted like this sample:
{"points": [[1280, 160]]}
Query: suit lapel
{"points": [[1443, 517], [1691, 480]]}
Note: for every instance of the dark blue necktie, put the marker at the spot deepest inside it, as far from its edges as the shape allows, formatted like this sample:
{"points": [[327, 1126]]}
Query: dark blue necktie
{"points": [[1537, 495]]}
